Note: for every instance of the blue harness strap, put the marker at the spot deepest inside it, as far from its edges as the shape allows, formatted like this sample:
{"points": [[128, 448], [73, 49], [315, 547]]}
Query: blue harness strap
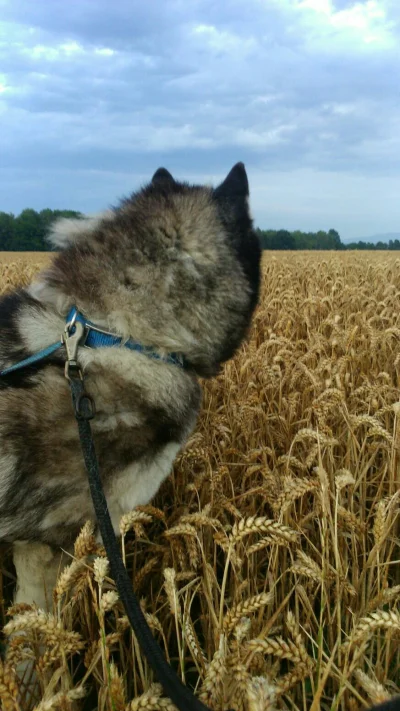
{"points": [[95, 337]]}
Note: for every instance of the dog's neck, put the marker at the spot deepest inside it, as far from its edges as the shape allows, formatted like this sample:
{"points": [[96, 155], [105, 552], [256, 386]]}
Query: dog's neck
{"points": [[172, 338], [118, 320]]}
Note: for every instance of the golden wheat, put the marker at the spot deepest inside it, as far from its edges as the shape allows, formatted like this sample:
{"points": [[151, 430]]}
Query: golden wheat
{"points": [[268, 565]]}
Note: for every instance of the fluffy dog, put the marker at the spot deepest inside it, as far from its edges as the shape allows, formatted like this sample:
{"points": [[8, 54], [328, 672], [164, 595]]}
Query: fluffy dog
{"points": [[175, 267]]}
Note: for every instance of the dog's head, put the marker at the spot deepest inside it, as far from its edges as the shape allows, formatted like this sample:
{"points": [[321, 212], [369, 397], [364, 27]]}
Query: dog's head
{"points": [[175, 265]]}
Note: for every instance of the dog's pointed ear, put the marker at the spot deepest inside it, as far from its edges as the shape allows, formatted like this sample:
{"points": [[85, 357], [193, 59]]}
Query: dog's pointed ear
{"points": [[162, 176], [235, 184]]}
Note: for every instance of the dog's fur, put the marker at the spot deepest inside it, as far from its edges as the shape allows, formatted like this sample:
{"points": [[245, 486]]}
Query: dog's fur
{"points": [[175, 267]]}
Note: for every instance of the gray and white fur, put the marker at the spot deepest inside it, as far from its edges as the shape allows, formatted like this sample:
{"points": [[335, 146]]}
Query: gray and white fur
{"points": [[175, 267]]}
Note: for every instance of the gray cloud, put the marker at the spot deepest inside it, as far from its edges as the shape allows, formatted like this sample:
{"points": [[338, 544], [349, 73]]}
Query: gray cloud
{"points": [[96, 95]]}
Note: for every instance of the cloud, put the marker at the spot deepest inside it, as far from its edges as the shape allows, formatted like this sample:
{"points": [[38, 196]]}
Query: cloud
{"points": [[357, 25], [95, 95]]}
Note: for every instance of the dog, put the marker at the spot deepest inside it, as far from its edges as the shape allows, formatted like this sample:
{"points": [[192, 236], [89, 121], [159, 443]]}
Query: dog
{"points": [[174, 268]]}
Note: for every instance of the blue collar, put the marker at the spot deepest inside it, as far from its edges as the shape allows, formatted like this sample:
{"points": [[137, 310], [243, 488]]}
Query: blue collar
{"points": [[96, 337]]}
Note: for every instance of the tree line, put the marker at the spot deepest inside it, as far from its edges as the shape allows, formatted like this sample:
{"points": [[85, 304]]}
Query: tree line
{"points": [[282, 239], [27, 232]]}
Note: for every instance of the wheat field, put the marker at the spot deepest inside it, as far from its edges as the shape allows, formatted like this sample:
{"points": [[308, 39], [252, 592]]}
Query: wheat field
{"points": [[268, 564]]}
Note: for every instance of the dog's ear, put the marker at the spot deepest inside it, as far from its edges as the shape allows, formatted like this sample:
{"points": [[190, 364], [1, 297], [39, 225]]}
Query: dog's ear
{"points": [[162, 176], [235, 184]]}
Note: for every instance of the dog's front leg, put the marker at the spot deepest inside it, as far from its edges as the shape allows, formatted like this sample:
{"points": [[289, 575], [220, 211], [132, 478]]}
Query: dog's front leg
{"points": [[37, 567]]}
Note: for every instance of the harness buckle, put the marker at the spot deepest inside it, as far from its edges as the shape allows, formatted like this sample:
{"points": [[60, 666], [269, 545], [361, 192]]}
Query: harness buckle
{"points": [[71, 340]]}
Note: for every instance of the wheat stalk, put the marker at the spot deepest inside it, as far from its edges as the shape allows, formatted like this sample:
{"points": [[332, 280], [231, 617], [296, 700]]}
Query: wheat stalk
{"points": [[243, 609], [260, 524]]}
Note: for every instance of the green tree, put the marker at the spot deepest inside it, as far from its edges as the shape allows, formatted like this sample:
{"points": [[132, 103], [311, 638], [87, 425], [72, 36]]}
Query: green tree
{"points": [[284, 240], [28, 231], [7, 221], [335, 239]]}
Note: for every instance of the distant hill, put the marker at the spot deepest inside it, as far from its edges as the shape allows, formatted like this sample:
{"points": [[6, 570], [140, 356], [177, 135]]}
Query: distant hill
{"points": [[386, 237]]}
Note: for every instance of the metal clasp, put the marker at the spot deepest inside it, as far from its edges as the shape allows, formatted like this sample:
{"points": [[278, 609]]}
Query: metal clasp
{"points": [[72, 342]]}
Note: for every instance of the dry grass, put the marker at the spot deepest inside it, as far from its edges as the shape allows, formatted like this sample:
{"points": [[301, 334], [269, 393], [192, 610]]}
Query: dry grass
{"points": [[19, 268], [19, 259], [268, 565]]}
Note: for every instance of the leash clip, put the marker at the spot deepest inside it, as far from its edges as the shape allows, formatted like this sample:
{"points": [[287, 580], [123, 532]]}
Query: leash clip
{"points": [[71, 342]]}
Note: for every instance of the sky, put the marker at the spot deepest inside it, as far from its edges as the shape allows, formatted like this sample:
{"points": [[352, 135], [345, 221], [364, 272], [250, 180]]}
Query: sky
{"points": [[96, 95]]}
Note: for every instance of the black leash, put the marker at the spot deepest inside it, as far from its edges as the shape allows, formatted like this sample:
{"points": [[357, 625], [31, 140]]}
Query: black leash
{"points": [[84, 409], [390, 705]]}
